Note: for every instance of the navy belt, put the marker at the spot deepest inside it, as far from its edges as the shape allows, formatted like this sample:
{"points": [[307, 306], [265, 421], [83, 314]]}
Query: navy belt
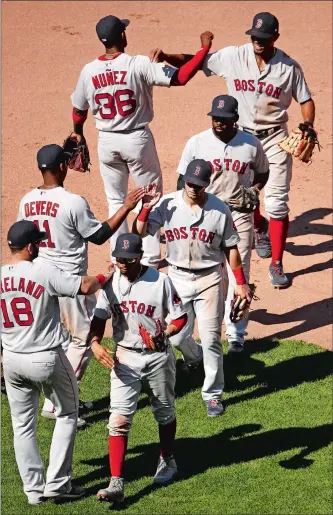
{"points": [[264, 133]]}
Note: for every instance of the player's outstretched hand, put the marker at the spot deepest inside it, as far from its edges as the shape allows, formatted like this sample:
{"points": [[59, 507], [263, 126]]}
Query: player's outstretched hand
{"points": [[102, 354], [134, 197], [157, 55], [207, 38], [151, 196]]}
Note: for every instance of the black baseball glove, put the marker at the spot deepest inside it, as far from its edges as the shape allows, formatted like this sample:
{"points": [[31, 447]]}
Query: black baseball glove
{"points": [[247, 200], [77, 153]]}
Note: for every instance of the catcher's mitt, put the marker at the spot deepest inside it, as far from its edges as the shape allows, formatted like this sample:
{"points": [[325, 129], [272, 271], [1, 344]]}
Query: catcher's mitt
{"points": [[247, 201], [301, 142], [159, 342], [78, 153], [240, 307]]}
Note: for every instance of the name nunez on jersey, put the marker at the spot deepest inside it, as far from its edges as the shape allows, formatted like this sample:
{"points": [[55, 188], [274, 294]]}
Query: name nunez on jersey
{"points": [[21, 284], [109, 78]]}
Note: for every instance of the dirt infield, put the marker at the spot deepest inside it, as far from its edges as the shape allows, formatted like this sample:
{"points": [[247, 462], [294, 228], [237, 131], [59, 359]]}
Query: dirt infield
{"points": [[45, 45]]}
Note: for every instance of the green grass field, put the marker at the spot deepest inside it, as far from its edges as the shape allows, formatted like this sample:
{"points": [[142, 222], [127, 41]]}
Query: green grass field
{"points": [[270, 453]]}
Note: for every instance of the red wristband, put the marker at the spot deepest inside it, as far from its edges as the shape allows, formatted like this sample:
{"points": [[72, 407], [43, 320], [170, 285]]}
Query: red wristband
{"points": [[239, 276], [179, 322], [101, 279], [79, 119], [144, 214]]}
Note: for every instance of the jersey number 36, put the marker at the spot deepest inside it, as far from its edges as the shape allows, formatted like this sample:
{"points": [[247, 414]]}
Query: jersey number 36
{"points": [[116, 104]]}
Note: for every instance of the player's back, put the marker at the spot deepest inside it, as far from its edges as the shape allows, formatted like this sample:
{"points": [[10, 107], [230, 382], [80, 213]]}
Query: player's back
{"points": [[29, 307], [119, 90], [67, 219]]}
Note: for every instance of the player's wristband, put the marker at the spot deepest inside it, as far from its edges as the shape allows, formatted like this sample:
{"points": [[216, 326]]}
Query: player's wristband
{"points": [[144, 214], [239, 276], [79, 119], [101, 279]]}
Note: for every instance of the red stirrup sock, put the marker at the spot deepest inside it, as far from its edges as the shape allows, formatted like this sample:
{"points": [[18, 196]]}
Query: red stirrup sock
{"points": [[167, 438], [117, 451], [278, 231]]}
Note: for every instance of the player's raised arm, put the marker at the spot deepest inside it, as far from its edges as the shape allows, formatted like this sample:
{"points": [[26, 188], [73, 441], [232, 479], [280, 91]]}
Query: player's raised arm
{"points": [[190, 68]]}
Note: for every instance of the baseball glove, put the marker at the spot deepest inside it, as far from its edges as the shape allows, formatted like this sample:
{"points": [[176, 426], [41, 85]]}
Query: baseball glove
{"points": [[78, 153], [247, 202], [301, 142], [240, 307], [159, 342]]}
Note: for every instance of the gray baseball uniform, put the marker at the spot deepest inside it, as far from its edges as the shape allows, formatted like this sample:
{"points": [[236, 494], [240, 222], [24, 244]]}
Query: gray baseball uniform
{"points": [[263, 99], [233, 165], [68, 220], [119, 92], [144, 301], [195, 240], [35, 362]]}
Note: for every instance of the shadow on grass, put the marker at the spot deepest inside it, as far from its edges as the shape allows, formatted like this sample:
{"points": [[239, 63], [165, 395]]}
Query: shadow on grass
{"points": [[231, 446]]}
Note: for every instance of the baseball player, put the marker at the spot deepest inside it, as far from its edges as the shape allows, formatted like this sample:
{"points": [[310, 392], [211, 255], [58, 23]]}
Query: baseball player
{"points": [[199, 233], [238, 161], [264, 80], [138, 298], [118, 89], [34, 361], [70, 225]]}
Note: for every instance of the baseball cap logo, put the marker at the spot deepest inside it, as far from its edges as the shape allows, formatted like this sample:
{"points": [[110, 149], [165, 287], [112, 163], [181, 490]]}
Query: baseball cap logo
{"points": [[126, 244], [220, 104], [259, 23], [197, 170]]}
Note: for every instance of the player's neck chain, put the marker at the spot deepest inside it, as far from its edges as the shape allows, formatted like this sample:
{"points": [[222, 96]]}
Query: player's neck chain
{"points": [[112, 56]]}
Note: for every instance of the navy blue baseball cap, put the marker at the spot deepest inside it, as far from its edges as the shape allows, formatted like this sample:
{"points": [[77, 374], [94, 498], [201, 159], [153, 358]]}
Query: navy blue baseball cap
{"points": [[128, 245], [50, 157], [109, 28], [265, 25], [198, 172], [24, 232], [224, 106]]}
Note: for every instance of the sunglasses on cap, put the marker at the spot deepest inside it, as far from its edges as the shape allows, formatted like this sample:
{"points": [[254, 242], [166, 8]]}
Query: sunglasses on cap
{"points": [[126, 261]]}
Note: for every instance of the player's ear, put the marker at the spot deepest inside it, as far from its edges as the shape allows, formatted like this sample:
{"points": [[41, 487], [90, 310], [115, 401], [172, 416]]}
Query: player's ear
{"points": [[276, 37]]}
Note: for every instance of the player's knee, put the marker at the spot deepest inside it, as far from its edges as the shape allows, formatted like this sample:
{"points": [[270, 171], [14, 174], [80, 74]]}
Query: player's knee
{"points": [[119, 425], [164, 415], [276, 210]]}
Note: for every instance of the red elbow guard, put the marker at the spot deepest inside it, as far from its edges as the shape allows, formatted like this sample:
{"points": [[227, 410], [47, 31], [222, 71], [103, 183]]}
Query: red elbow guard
{"points": [[79, 119], [179, 322], [188, 70]]}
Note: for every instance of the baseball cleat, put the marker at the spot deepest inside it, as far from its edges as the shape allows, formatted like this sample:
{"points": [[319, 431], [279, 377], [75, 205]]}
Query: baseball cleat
{"points": [[37, 500], [262, 243], [235, 347], [166, 470], [214, 407], [114, 492], [85, 405], [76, 492], [277, 276]]}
